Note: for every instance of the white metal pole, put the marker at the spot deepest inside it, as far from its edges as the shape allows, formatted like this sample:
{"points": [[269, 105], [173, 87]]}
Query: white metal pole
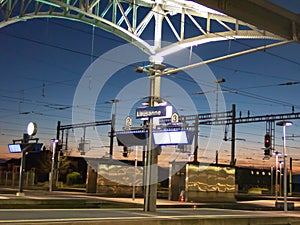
{"points": [[276, 179], [291, 177], [285, 171], [52, 166], [280, 178], [284, 124]]}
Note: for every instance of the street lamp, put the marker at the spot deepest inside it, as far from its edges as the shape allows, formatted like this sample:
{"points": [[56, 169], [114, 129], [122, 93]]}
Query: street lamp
{"points": [[31, 131], [284, 124]]}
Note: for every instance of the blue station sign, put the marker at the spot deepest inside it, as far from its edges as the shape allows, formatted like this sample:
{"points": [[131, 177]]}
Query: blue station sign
{"points": [[155, 111]]}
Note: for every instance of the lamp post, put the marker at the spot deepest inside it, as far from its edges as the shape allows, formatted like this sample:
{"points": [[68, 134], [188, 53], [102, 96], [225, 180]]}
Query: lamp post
{"points": [[284, 124], [31, 131]]}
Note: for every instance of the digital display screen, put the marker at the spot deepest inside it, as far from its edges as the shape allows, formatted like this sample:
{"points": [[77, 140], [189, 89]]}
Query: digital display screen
{"points": [[179, 137], [171, 137], [161, 138], [14, 148]]}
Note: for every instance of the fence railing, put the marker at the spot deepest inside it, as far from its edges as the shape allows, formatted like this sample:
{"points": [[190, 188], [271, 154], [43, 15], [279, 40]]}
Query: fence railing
{"points": [[11, 179]]}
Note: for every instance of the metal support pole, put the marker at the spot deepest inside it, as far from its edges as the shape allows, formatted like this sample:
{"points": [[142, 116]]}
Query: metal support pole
{"points": [[135, 170], [112, 127], [148, 165], [152, 155], [25, 140], [285, 171], [21, 177], [151, 163], [54, 174], [218, 81], [280, 179], [291, 176], [276, 179], [284, 124], [58, 130], [112, 130], [272, 180], [52, 177], [67, 139], [232, 162], [196, 139]]}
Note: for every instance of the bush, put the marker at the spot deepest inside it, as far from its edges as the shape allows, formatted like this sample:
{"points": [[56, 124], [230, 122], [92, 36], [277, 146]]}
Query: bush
{"points": [[73, 178]]}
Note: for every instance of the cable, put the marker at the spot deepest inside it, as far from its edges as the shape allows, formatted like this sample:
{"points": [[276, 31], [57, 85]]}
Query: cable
{"points": [[78, 52], [250, 72], [60, 47], [68, 49]]}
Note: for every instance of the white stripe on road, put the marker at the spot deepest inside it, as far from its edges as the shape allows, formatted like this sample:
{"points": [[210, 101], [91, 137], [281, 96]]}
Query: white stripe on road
{"points": [[150, 217]]}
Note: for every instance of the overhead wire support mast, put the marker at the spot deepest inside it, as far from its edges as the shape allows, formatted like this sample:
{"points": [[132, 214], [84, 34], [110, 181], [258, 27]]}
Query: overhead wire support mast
{"points": [[229, 118], [61, 128]]}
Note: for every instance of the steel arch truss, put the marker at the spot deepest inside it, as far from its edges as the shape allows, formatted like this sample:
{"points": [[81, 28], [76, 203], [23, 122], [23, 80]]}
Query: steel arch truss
{"points": [[186, 23]]}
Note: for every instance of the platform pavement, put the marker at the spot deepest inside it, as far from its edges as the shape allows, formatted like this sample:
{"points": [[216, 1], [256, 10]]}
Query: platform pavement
{"points": [[75, 199]]}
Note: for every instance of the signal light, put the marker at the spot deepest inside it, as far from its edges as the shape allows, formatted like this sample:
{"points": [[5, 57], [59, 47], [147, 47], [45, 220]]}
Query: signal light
{"points": [[267, 140], [267, 152], [125, 151]]}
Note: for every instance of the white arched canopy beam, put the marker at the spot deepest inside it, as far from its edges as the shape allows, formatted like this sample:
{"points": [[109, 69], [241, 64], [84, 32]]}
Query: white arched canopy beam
{"points": [[187, 22]]}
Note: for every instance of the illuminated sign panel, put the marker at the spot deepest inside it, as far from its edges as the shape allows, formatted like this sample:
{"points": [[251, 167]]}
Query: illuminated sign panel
{"points": [[14, 148], [156, 111], [29, 147], [179, 137], [160, 137], [173, 137]]}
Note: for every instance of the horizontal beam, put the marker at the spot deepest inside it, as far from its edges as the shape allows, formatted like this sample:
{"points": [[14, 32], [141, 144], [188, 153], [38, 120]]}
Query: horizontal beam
{"points": [[252, 119], [260, 13], [83, 125]]}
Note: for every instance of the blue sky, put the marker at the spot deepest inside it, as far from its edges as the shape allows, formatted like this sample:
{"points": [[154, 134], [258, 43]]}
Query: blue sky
{"points": [[43, 60]]}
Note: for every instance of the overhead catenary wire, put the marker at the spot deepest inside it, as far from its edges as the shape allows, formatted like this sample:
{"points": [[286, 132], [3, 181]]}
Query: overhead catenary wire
{"points": [[65, 49]]}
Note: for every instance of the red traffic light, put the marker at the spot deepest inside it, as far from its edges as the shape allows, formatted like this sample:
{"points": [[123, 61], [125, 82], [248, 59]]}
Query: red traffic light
{"points": [[267, 140], [125, 151]]}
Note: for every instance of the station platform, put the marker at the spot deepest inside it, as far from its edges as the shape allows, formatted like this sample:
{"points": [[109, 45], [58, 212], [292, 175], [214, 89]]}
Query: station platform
{"points": [[78, 199]]}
